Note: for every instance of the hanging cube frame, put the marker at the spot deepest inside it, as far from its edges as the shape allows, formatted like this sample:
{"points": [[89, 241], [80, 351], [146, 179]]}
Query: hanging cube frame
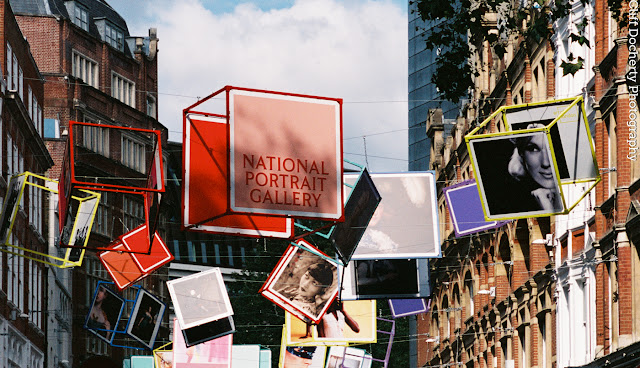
{"points": [[564, 123], [88, 206], [236, 125]]}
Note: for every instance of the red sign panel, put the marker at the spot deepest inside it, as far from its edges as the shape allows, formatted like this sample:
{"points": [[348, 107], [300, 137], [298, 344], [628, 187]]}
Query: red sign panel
{"points": [[205, 189], [286, 154]]}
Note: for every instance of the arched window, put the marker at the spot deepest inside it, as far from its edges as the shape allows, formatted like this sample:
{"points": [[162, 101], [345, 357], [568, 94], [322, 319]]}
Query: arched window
{"points": [[470, 292], [445, 319]]}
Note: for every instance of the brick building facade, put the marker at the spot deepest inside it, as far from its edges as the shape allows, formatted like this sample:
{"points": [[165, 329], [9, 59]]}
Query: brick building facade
{"points": [[22, 148], [95, 72], [559, 291]]}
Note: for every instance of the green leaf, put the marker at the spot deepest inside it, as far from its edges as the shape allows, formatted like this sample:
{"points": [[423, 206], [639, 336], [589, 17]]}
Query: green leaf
{"points": [[571, 68]]}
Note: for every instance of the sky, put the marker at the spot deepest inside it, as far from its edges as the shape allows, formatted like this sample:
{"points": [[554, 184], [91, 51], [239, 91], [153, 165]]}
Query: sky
{"points": [[350, 49]]}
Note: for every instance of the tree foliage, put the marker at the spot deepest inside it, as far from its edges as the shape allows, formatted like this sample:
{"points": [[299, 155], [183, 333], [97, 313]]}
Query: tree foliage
{"points": [[459, 26]]}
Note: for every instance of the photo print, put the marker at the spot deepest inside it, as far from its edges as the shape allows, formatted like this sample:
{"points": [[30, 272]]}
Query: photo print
{"points": [[303, 283], [211, 354], [16, 183], [352, 321], [405, 223], [104, 314], [360, 207], [386, 278], [465, 209], [200, 298], [303, 356], [408, 307], [345, 357], [82, 226], [570, 135], [208, 331], [145, 318], [163, 358], [516, 175]]}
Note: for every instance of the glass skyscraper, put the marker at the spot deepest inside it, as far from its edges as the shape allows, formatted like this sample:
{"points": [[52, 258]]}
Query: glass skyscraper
{"points": [[422, 92]]}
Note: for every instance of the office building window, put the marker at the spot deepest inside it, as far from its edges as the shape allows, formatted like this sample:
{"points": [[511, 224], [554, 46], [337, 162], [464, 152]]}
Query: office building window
{"points": [[123, 89], [20, 81], [133, 213], [176, 249], [96, 139], [151, 106], [9, 67], [133, 154], [84, 68], [14, 83], [217, 253], [230, 250], [101, 225]]}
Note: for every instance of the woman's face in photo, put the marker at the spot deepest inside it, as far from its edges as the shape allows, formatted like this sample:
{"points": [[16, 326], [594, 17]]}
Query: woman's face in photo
{"points": [[101, 295], [309, 286], [537, 162]]}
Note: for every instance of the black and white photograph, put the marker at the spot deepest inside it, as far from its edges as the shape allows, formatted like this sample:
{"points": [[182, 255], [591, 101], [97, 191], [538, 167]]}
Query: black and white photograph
{"points": [[360, 207], [516, 175], [569, 135], [200, 298], [145, 318], [82, 227], [303, 283], [16, 184], [104, 314]]}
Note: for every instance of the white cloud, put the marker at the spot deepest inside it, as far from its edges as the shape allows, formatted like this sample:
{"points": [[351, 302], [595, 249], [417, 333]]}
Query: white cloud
{"points": [[355, 50]]}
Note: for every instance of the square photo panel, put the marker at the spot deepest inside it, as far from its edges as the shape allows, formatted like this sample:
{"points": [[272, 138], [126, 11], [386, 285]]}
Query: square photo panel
{"points": [[303, 283], [516, 175], [104, 314], [344, 357], [211, 354], [200, 298], [386, 278], [360, 207], [292, 356], [145, 318], [405, 223], [408, 307], [465, 209], [348, 322]]}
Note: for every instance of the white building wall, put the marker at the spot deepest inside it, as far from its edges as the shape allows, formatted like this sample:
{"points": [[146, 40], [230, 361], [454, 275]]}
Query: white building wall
{"points": [[575, 293]]}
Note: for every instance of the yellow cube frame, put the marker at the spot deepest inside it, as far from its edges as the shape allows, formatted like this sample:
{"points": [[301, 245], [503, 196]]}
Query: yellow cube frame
{"points": [[539, 151], [163, 356], [82, 224]]}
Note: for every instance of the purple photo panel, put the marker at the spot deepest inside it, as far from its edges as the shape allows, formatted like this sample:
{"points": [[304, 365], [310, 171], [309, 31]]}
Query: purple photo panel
{"points": [[465, 209], [408, 307]]}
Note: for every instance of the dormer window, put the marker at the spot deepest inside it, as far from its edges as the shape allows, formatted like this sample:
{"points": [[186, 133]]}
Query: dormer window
{"points": [[114, 37], [81, 17]]}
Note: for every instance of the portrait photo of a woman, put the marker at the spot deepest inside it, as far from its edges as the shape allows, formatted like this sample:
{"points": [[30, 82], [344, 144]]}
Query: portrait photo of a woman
{"points": [[531, 165], [517, 175], [303, 283]]}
